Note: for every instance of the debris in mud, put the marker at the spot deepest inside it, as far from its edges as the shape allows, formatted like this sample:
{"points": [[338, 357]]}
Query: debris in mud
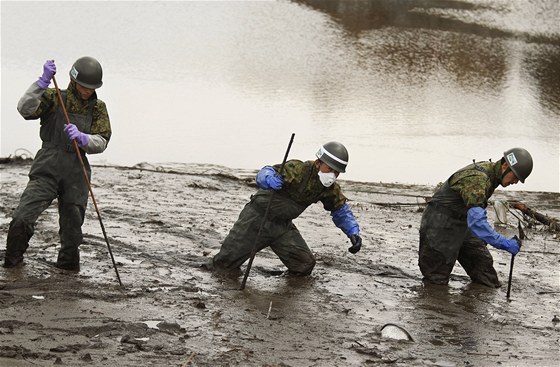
{"points": [[367, 350], [552, 223], [393, 331], [129, 339], [20, 157], [171, 328]]}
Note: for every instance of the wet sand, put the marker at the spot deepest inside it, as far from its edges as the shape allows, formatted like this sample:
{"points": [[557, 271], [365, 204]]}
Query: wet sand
{"points": [[164, 221]]}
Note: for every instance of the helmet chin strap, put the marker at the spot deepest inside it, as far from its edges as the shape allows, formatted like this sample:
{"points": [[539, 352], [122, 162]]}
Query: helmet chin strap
{"points": [[506, 171]]}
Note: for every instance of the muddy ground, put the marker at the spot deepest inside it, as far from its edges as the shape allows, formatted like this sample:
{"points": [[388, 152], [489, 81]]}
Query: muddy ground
{"points": [[164, 221]]}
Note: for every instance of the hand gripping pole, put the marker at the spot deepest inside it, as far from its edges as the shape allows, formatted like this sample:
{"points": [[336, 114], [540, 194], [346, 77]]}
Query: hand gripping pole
{"points": [[254, 250], [520, 240]]}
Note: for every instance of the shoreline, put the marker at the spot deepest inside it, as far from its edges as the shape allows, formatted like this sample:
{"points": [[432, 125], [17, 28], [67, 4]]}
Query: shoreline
{"points": [[242, 173]]}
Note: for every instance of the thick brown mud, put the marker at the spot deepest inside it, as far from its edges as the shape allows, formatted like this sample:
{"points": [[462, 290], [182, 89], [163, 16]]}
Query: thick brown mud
{"points": [[163, 223]]}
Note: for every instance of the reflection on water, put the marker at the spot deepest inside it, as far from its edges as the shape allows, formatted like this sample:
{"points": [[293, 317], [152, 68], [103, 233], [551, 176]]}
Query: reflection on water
{"points": [[471, 34], [415, 89]]}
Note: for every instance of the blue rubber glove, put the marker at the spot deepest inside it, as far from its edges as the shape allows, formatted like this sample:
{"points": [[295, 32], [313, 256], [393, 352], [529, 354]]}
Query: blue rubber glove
{"points": [[478, 224], [268, 178], [73, 133], [49, 69], [344, 219], [512, 246]]}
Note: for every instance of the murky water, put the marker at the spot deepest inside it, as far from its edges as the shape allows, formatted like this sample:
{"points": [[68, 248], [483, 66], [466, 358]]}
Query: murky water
{"points": [[414, 89]]}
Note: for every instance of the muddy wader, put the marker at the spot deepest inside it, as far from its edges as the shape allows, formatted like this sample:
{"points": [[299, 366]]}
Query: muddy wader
{"points": [[446, 238], [279, 232], [56, 172]]}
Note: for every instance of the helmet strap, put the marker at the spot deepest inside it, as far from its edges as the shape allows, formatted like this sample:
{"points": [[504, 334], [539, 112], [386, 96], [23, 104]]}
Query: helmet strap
{"points": [[507, 170]]}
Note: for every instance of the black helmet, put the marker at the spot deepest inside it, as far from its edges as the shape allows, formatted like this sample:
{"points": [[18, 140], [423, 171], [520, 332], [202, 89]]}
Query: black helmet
{"points": [[520, 162], [335, 155], [87, 72]]}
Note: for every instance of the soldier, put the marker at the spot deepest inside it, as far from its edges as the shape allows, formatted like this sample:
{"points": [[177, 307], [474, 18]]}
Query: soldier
{"points": [[299, 185], [455, 226], [56, 172]]}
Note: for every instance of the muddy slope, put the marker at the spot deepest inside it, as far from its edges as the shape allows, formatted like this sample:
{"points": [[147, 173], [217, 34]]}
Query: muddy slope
{"points": [[165, 221]]}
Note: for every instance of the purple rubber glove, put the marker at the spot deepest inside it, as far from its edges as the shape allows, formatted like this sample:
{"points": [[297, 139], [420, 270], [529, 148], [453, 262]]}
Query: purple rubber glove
{"points": [[73, 133], [49, 69]]}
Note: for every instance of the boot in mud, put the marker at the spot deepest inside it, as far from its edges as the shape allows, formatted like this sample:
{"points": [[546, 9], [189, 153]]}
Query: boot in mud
{"points": [[71, 220], [16, 244], [69, 267], [10, 262], [68, 259]]}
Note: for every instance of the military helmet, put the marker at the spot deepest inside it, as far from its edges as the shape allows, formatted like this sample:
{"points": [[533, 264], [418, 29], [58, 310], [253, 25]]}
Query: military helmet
{"points": [[520, 162], [334, 155], [87, 72]]}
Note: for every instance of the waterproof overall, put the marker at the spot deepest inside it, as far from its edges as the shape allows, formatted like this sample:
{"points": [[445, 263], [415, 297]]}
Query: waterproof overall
{"points": [[278, 232], [445, 238], [56, 172]]}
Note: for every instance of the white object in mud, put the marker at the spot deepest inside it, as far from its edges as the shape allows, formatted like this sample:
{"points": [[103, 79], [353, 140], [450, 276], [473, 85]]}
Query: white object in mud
{"points": [[501, 211], [393, 331]]}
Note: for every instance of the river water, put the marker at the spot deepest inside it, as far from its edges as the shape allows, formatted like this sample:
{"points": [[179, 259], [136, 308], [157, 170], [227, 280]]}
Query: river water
{"points": [[414, 89]]}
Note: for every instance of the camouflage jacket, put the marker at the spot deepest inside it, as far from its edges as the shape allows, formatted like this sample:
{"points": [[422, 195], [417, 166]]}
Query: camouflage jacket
{"points": [[39, 103], [470, 186], [302, 185]]}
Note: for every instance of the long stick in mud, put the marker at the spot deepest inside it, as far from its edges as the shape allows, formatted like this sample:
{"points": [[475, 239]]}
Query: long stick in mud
{"points": [[87, 181], [521, 238], [510, 276], [254, 250]]}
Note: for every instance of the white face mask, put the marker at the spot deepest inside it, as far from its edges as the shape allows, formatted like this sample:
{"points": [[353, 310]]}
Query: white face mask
{"points": [[327, 179]]}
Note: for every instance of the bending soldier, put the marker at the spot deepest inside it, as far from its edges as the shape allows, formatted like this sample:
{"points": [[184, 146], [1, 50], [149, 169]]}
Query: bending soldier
{"points": [[298, 186], [455, 227]]}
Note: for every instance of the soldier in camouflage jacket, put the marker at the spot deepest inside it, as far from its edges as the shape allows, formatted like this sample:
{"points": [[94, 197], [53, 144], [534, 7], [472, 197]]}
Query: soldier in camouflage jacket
{"points": [[56, 172], [454, 225], [290, 192]]}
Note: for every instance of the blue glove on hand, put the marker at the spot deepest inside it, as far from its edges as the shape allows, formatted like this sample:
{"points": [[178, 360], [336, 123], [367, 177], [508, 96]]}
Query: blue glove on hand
{"points": [[73, 133], [511, 245], [268, 178], [344, 219], [49, 69]]}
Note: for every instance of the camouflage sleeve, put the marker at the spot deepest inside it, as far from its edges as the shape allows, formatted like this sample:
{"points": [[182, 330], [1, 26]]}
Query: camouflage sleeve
{"points": [[101, 124], [333, 199], [37, 102], [473, 189], [293, 172]]}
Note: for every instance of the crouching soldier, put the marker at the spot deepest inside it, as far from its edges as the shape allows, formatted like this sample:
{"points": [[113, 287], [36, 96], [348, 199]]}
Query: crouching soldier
{"points": [[299, 185]]}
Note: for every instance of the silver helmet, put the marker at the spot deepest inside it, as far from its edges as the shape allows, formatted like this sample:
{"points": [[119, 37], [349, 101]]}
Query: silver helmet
{"points": [[334, 155]]}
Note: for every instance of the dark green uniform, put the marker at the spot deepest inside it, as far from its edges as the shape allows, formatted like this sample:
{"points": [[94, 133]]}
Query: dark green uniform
{"points": [[301, 188], [444, 234], [56, 172]]}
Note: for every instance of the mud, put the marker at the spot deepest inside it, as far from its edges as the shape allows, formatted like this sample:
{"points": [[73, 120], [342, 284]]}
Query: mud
{"points": [[164, 222]]}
